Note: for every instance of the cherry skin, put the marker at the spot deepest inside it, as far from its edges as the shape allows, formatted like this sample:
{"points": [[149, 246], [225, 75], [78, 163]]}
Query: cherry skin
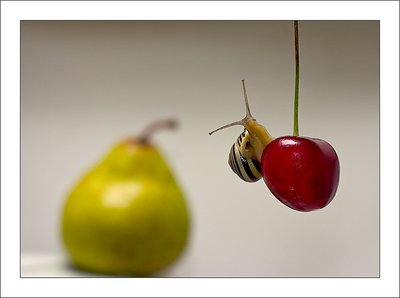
{"points": [[301, 172]]}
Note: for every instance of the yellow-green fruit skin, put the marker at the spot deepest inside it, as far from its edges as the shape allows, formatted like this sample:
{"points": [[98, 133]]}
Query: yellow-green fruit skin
{"points": [[127, 216]]}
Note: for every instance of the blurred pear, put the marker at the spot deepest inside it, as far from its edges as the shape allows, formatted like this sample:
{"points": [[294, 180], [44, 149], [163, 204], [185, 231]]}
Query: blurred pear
{"points": [[127, 215]]}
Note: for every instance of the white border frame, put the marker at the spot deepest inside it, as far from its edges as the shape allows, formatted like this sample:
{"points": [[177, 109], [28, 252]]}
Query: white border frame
{"points": [[11, 15]]}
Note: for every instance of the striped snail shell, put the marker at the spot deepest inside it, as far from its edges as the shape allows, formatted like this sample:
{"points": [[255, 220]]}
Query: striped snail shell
{"points": [[248, 169]]}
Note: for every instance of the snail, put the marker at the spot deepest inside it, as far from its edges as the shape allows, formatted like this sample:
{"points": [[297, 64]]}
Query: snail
{"points": [[245, 154]]}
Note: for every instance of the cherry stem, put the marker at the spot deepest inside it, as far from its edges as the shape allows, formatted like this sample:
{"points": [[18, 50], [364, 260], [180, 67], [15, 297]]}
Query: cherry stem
{"points": [[296, 84], [155, 126]]}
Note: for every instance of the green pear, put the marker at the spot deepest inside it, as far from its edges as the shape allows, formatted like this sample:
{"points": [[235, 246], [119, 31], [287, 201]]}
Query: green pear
{"points": [[127, 215]]}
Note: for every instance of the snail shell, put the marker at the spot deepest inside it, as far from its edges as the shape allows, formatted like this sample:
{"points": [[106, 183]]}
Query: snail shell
{"points": [[248, 169]]}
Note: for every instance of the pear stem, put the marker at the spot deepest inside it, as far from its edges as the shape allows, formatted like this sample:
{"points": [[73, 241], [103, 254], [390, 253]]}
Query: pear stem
{"points": [[155, 126], [296, 84]]}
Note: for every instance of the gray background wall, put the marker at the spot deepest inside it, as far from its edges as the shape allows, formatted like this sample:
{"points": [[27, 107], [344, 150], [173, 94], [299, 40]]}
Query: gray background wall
{"points": [[86, 85]]}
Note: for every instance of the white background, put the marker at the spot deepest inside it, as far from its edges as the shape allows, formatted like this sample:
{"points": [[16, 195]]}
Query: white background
{"points": [[231, 231]]}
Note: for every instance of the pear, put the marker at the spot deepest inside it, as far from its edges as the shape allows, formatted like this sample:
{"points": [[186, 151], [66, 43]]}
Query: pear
{"points": [[127, 215]]}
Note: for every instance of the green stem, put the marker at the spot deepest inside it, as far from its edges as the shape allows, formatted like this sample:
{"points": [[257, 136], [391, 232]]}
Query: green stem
{"points": [[296, 84]]}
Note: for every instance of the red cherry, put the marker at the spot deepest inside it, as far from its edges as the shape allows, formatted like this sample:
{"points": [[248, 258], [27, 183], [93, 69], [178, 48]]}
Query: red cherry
{"points": [[301, 172]]}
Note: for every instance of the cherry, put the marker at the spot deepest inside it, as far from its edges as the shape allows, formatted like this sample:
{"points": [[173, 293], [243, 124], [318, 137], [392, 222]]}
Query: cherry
{"points": [[301, 172]]}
